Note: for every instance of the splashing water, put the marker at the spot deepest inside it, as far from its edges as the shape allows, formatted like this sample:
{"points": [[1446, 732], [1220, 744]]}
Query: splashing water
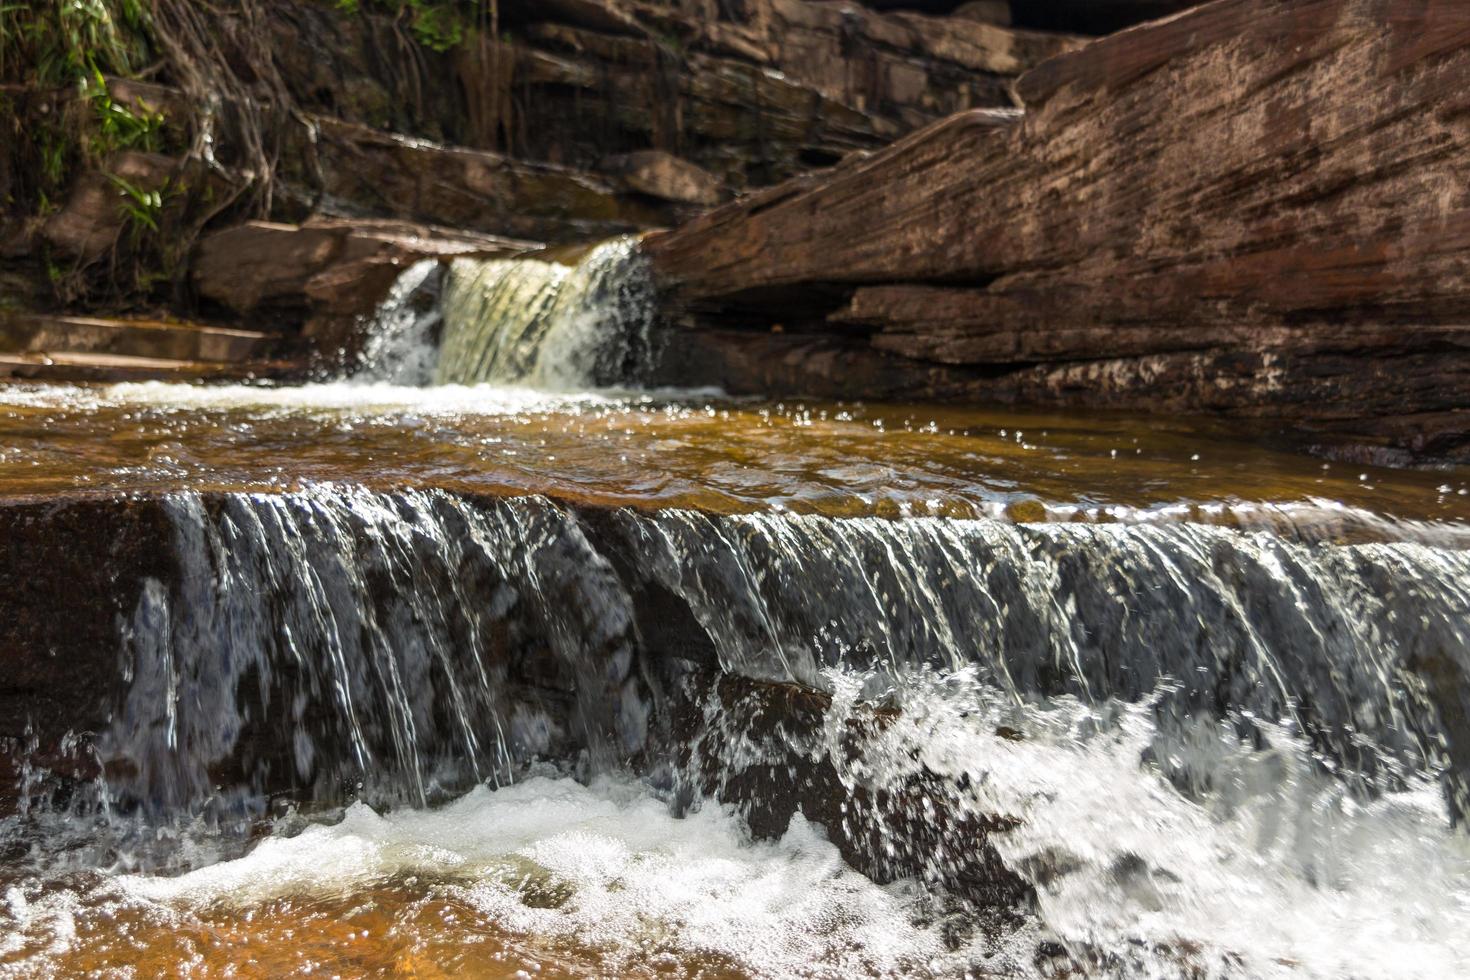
{"points": [[1199, 736], [1212, 752], [402, 344], [1271, 869]]}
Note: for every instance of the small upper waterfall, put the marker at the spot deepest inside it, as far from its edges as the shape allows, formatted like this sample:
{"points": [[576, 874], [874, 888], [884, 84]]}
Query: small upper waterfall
{"points": [[549, 324]]}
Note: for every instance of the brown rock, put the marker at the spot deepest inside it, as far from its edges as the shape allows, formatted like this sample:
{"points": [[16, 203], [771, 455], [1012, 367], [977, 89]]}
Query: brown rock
{"points": [[663, 175], [474, 189], [94, 215], [1253, 208], [986, 11], [336, 267]]}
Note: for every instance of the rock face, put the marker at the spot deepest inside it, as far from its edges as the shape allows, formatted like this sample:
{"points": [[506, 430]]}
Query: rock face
{"points": [[751, 90], [559, 122], [1253, 208], [324, 264], [95, 215]]}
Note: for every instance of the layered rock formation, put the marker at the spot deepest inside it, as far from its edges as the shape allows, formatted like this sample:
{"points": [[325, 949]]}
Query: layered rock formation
{"points": [[547, 123], [1253, 208]]}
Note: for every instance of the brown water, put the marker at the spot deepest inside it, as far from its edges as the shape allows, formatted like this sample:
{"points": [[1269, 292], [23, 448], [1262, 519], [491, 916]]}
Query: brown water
{"points": [[710, 454], [398, 930]]}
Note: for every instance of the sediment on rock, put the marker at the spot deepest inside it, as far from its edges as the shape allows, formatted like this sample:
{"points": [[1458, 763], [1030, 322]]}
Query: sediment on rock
{"points": [[1252, 208]]}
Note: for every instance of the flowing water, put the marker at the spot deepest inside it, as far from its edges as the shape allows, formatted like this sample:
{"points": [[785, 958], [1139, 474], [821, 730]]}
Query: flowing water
{"points": [[518, 675]]}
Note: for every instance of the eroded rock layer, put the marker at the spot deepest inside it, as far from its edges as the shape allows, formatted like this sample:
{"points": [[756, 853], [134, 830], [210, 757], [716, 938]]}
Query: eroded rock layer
{"points": [[1253, 208]]}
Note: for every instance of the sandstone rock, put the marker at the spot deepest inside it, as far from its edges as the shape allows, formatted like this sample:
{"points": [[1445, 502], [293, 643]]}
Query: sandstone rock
{"points": [[51, 334], [1251, 208], [752, 91], [487, 192], [608, 16], [328, 266], [666, 176], [986, 11]]}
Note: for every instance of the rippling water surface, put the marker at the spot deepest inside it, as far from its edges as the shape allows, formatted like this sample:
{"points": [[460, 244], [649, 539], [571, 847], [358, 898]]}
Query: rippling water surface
{"points": [[688, 450]]}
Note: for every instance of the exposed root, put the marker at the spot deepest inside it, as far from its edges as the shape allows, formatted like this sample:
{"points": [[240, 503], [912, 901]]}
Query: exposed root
{"points": [[242, 109]]}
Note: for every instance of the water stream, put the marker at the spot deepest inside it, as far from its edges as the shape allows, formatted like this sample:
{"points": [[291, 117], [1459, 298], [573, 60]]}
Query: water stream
{"points": [[477, 679]]}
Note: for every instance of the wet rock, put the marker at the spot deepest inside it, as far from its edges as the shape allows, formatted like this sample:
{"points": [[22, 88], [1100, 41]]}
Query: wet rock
{"points": [[60, 659], [199, 599], [1248, 209], [326, 266], [768, 750]]}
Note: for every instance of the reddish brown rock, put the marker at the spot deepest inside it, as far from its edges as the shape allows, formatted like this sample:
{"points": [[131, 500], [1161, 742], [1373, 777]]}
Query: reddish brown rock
{"points": [[453, 186], [1254, 208], [666, 176], [336, 267]]}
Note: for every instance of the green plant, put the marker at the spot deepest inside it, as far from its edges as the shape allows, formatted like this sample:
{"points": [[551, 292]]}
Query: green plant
{"points": [[439, 25], [50, 47], [118, 126], [63, 42], [142, 208]]}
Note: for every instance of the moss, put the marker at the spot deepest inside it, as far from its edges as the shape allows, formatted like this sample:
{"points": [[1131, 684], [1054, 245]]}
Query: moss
{"points": [[439, 25]]}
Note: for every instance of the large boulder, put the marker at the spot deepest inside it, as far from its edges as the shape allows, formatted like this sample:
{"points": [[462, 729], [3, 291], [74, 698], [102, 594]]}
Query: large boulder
{"points": [[1252, 208]]}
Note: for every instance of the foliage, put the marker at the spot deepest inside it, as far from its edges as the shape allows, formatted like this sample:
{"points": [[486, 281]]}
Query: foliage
{"points": [[74, 44], [142, 208], [58, 55], [118, 126], [436, 24], [65, 42]]}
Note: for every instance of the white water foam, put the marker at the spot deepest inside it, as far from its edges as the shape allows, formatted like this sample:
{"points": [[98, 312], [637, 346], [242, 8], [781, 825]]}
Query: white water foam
{"points": [[401, 347], [637, 883], [1270, 869], [1274, 872]]}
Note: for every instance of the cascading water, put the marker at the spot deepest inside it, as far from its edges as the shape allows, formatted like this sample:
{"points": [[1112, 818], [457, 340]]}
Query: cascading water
{"points": [[533, 720], [1170, 719], [549, 325], [402, 343]]}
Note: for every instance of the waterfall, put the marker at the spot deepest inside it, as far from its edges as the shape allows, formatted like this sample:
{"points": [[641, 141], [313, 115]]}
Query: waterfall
{"points": [[548, 324], [382, 635], [365, 642], [1169, 746], [401, 345]]}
